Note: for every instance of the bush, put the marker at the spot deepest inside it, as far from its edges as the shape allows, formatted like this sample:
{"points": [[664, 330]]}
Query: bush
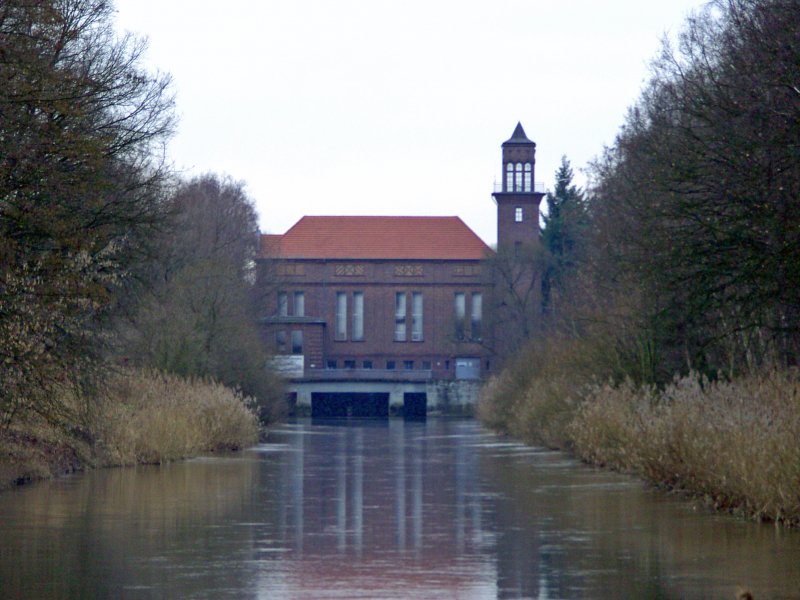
{"points": [[152, 417], [536, 396], [736, 443]]}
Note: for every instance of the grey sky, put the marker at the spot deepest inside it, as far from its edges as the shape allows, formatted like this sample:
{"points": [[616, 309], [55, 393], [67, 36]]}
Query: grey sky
{"points": [[394, 107]]}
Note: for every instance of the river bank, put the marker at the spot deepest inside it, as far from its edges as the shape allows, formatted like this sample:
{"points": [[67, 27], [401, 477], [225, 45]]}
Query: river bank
{"points": [[733, 444], [140, 417]]}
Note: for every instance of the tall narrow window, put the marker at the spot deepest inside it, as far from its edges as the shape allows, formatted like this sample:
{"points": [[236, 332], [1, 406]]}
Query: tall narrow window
{"points": [[528, 172], [280, 340], [358, 316], [459, 312], [518, 214], [477, 316], [400, 317], [283, 304], [416, 317], [341, 316], [297, 342], [509, 177], [518, 177], [299, 304]]}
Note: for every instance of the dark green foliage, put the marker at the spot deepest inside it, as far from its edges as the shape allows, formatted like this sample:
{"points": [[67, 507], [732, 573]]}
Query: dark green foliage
{"points": [[566, 226], [566, 221]]}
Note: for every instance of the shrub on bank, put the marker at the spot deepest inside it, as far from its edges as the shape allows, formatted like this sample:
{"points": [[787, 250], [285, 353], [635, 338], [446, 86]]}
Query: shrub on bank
{"points": [[736, 443], [138, 417], [535, 397], [153, 417]]}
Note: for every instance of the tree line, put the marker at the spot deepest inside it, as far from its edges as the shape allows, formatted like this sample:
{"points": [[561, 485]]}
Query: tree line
{"points": [[667, 334], [683, 253], [106, 257]]}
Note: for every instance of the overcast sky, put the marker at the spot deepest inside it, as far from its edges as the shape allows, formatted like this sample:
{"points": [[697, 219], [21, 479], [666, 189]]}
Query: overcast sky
{"points": [[394, 107]]}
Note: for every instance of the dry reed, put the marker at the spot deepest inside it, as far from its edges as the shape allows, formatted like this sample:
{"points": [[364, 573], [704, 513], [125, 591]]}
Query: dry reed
{"points": [[153, 417], [734, 443], [139, 417]]}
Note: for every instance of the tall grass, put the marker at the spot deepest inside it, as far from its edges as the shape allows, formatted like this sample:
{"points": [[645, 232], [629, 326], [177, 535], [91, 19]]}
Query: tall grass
{"points": [[735, 443], [138, 416], [153, 417], [535, 397]]}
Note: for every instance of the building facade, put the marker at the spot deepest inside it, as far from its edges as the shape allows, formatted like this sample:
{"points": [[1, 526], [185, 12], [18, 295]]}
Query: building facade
{"points": [[371, 313]]}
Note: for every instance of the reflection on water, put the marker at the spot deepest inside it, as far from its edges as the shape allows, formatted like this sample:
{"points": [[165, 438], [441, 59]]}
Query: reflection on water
{"points": [[379, 510]]}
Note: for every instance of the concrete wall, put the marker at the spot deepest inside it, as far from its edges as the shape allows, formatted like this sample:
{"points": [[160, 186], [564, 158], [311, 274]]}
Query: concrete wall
{"points": [[443, 396]]}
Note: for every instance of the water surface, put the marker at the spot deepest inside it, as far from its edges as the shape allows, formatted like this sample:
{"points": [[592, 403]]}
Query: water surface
{"points": [[379, 509]]}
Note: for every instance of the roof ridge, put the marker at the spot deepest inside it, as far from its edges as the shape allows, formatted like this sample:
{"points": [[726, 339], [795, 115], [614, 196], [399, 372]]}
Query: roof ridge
{"points": [[399, 237]]}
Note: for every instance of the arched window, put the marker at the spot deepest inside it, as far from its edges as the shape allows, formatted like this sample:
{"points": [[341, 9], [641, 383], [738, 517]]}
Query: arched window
{"points": [[527, 177], [518, 178], [509, 177]]}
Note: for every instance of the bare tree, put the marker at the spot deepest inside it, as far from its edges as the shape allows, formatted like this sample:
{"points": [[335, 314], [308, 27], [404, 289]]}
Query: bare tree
{"points": [[699, 194], [82, 127], [515, 310], [197, 316]]}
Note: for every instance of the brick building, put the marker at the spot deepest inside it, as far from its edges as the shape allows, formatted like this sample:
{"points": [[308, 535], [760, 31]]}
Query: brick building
{"points": [[370, 312]]}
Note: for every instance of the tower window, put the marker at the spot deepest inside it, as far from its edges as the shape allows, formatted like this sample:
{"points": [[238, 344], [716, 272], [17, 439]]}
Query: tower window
{"points": [[518, 177], [528, 172], [518, 214], [509, 177]]}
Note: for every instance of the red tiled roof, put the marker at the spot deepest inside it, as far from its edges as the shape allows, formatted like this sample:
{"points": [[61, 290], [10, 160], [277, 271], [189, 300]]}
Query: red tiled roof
{"points": [[415, 238]]}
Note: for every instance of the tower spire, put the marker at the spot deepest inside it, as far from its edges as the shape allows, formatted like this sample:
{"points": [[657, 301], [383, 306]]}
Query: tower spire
{"points": [[518, 137]]}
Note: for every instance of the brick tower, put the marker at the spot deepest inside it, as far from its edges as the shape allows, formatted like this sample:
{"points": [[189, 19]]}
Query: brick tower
{"points": [[517, 199]]}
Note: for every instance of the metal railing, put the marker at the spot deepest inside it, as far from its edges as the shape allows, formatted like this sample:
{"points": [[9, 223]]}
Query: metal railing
{"points": [[538, 187], [368, 374]]}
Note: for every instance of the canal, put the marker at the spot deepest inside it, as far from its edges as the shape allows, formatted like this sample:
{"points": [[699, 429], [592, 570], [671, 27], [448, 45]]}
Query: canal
{"points": [[379, 509]]}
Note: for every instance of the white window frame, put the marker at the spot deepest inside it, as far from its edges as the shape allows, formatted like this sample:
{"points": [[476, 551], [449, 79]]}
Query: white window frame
{"points": [[283, 304], [299, 304], [400, 317], [476, 316], [358, 316], [417, 328], [340, 332]]}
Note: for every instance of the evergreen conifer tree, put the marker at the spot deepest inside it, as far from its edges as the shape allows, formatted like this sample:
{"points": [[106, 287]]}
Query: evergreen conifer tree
{"points": [[564, 227]]}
